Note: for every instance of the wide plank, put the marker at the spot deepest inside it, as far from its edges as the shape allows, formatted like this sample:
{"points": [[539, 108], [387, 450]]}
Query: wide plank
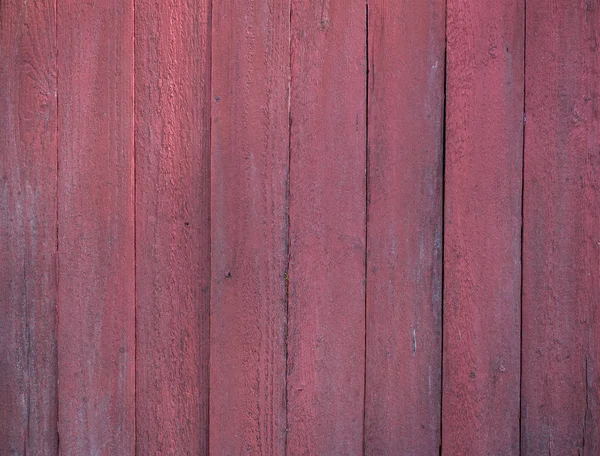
{"points": [[28, 273], [404, 232], [561, 236], [482, 227], [172, 169], [326, 334], [96, 292], [249, 175]]}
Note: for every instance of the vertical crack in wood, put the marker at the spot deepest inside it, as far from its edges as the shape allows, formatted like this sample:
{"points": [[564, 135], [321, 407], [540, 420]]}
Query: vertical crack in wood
{"points": [[522, 226], [287, 228], [443, 221], [367, 63]]}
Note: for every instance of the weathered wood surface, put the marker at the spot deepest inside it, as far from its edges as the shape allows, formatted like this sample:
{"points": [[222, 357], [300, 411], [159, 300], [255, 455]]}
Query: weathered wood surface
{"points": [[172, 164], [561, 243], [404, 233], [299, 227], [326, 334], [249, 175], [96, 288], [28, 388], [482, 227]]}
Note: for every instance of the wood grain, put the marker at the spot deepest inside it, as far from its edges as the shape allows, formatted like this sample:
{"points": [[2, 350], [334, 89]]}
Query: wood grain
{"points": [[249, 173], [482, 228], [172, 157], [404, 269], [96, 302], [561, 250], [28, 397], [326, 345]]}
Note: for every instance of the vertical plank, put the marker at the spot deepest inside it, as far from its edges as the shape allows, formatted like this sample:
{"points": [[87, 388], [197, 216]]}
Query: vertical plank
{"points": [[249, 171], [482, 240], [404, 268], [96, 320], [172, 150], [561, 245], [28, 404], [326, 344]]}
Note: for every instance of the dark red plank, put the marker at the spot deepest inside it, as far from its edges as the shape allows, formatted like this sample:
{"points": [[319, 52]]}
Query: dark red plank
{"points": [[249, 165], [28, 399], [96, 300], [482, 239], [404, 269], [172, 158], [326, 348], [561, 245]]}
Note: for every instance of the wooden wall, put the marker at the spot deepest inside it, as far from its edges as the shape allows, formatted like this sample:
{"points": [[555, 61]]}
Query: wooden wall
{"points": [[317, 227]]}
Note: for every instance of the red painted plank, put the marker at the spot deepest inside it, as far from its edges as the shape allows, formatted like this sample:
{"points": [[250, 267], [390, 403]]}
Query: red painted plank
{"points": [[561, 245], [249, 172], [28, 404], [404, 269], [482, 239], [96, 301], [172, 157], [326, 347]]}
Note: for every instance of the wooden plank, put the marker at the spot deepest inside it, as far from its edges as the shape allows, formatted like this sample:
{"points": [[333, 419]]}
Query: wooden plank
{"points": [[404, 269], [96, 302], [561, 246], [482, 239], [172, 158], [249, 172], [326, 345], [28, 399]]}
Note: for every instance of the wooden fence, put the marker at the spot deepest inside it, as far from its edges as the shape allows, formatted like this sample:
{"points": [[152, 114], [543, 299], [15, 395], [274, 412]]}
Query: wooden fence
{"points": [[304, 227]]}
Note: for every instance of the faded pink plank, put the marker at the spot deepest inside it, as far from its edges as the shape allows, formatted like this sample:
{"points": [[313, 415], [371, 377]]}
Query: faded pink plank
{"points": [[96, 321], [561, 249], [172, 157], [482, 238], [404, 270], [249, 173], [28, 404], [326, 348]]}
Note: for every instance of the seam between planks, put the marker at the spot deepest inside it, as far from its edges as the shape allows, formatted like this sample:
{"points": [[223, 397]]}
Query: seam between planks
{"points": [[27, 312], [366, 258], [134, 169], [443, 223], [288, 228], [524, 120], [56, 219], [208, 188]]}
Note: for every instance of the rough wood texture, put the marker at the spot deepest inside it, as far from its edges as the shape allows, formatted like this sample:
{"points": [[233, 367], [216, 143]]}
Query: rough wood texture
{"points": [[561, 249], [404, 270], [227, 238], [249, 163], [482, 273], [96, 236], [28, 403], [326, 345], [172, 156]]}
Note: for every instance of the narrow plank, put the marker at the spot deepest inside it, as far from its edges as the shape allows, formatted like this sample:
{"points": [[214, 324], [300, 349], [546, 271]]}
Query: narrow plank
{"points": [[326, 345], [561, 246], [28, 399], [96, 320], [404, 269], [249, 172], [482, 239], [172, 158]]}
